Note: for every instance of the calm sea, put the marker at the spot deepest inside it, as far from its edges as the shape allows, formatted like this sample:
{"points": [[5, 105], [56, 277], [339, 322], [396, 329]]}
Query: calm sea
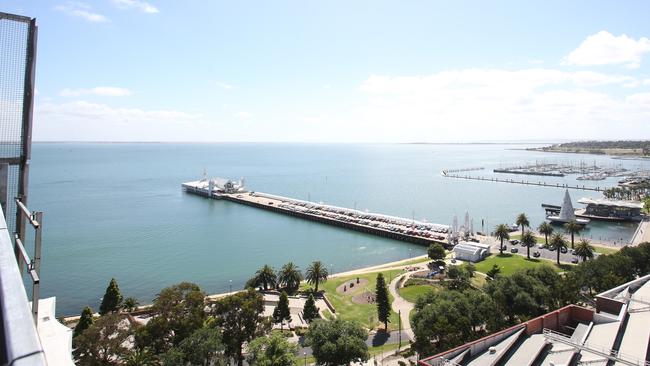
{"points": [[117, 210]]}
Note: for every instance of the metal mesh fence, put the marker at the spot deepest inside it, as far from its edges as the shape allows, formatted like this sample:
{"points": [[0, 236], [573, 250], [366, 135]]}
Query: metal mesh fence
{"points": [[17, 38]]}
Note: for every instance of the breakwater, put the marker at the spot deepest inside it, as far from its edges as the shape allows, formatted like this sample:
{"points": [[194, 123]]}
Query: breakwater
{"points": [[397, 228], [524, 182]]}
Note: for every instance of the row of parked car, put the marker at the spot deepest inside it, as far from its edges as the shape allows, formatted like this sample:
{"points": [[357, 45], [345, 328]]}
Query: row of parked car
{"points": [[536, 253]]}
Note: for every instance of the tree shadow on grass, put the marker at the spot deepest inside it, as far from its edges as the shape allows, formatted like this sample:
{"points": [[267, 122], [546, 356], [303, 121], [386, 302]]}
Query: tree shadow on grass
{"points": [[380, 338]]}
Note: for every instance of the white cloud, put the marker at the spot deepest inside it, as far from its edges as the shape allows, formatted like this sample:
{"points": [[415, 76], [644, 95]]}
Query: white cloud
{"points": [[646, 82], [603, 48], [103, 91], [143, 6], [82, 10], [82, 120], [225, 86], [494, 104], [242, 115]]}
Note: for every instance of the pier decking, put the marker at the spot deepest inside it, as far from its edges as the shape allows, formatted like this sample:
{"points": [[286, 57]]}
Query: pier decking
{"points": [[396, 228], [524, 182]]}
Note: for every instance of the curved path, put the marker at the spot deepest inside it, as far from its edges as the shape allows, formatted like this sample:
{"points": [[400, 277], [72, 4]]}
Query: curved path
{"points": [[401, 305]]}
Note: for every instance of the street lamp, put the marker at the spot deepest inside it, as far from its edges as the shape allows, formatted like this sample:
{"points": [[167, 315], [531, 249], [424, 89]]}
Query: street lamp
{"points": [[305, 355]]}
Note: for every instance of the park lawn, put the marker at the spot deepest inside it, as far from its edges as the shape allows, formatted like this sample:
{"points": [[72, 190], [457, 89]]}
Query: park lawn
{"points": [[604, 250], [411, 293], [510, 263], [364, 314]]}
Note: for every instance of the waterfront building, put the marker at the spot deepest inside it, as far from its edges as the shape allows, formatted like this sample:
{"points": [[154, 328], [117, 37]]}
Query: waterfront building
{"points": [[613, 210]]}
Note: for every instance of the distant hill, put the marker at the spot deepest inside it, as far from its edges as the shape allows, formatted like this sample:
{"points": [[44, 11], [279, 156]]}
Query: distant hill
{"points": [[622, 147]]}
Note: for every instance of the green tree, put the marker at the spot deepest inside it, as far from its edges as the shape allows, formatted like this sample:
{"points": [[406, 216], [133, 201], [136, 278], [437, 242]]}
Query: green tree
{"points": [[112, 299], [315, 274], [470, 268], [240, 317], [584, 250], [203, 347], [337, 342], [180, 311], [140, 357], [436, 252], [502, 232], [85, 321], [572, 227], [440, 322], [310, 311], [383, 305], [529, 240], [265, 277], [281, 313], [494, 271], [558, 243], [289, 277], [646, 205], [522, 220], [130, 304], [103, 342], [272, 350], [459, 278], [546, 229]]}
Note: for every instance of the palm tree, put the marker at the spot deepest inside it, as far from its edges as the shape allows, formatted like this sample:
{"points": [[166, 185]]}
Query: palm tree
{"points": [[290, 277], [502, 233], [316, 273], [529, 240], [546, 229], [558, 243], [584, 250], [572, 227], [522, 220], [265, 276]]}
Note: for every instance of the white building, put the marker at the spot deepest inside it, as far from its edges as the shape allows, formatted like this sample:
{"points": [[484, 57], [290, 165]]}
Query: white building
{"points": [[472, 252]]}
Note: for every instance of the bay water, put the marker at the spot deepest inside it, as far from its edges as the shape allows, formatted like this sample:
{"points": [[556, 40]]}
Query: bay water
{"points": [[118, 210]]}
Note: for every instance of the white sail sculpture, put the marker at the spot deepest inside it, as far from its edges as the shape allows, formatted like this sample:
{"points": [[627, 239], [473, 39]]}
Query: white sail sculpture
{"points": [[567, 213]]}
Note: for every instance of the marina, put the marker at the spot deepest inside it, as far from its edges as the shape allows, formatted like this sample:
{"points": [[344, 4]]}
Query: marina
{"points": [[524, 182], [397, 228]]}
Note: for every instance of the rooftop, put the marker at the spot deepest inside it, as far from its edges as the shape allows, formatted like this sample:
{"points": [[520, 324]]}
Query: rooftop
{"points": [[616, 333]]}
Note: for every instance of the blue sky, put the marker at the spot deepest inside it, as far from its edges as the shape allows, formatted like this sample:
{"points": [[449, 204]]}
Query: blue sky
{"points": [[340, 71]]}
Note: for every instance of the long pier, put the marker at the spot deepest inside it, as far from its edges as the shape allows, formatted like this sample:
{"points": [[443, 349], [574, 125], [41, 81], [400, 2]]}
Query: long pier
{"points": [[396, 228], [528, 183]]}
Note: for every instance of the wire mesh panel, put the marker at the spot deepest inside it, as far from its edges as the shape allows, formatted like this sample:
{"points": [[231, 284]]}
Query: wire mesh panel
{"points": [[17, 59]]}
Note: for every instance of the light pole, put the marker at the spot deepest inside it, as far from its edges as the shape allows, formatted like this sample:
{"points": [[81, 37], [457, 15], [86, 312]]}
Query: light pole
{"points": [[305, 355]]}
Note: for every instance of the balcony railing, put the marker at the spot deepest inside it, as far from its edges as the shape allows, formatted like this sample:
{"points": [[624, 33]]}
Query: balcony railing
{"points": [[21, 345]]}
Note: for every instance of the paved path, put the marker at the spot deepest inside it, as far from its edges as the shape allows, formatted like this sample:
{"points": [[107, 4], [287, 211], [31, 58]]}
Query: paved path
{"points": [[642, 233], [401, 305]]}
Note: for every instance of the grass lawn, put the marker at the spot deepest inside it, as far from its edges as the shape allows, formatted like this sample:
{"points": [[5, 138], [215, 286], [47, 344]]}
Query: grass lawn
{"points": [[364, 314], [509, 263], [604, 250], [411, 293]]}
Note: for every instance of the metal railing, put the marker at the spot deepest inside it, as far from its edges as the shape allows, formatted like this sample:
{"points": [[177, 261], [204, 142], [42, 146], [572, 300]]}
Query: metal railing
{"points": [[604, 352], [33, 266], [21, 344]]}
